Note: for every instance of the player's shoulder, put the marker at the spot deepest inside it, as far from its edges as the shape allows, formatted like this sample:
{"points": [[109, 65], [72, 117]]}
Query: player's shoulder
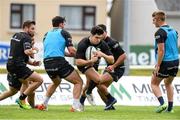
{"points": [[21, 35], [84, 41], [102, 45], [163, 29], [82, 45], [110, 41], [65, 33], [160, 31]]}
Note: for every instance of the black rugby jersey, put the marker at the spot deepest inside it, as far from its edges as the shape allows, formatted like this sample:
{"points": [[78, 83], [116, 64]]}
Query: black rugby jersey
{"points": [[19, 42], [85, 43], [115, 48]]}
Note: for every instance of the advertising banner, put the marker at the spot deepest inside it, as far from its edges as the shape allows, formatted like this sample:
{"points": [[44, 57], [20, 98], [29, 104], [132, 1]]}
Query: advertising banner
{"points": [[139, 55], [4, 52], [129, 90]]}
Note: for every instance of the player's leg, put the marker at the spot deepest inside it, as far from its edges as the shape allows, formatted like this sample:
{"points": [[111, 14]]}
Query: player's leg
{"points": [[86, 86], [155, 82], [14, 86], [172, 71], [102, 95], [36, 82], [75, 79], [107, 83], [91, 86], [31, 99], [52, 87], [170, 93], [88, 92], [52, 67], [92, 74], [95, 79], [107, 78], [50, 90], [31, 96], [83, 95], [12, 91]]}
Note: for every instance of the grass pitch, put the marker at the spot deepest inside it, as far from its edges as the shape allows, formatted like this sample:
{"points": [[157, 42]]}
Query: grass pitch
{"points": [[13, 112]]}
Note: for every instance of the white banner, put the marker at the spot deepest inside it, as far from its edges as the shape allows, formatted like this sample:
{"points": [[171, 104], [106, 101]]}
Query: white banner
{"points": [[133, 90], [129, 90]]}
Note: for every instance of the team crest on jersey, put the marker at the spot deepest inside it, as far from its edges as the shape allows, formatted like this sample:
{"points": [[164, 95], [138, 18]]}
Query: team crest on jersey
{"points": [[157, 36], [116, 45]]}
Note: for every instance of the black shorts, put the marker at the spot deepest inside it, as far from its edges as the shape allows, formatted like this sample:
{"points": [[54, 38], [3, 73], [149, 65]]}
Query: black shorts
{"points": [[168, 68], [117, 73], [13, 81], [57, 67], [20, 70]]}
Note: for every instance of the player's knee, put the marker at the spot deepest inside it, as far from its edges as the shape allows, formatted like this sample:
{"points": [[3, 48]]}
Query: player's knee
{"points": [[152, 85], [13, 92], [56, 82], [40, 80], [97, 81], [167, 83], [80, 81]]}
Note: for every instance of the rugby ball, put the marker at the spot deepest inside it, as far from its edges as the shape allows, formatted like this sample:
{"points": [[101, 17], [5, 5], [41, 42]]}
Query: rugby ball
{"points": [[90, 51]]}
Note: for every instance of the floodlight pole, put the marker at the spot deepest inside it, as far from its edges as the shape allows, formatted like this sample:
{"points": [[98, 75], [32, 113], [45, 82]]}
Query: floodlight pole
{"points": [[126, 32]]}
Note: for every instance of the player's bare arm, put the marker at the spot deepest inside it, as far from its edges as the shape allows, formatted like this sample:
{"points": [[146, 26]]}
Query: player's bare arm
{"points": [[108, 58], [120, 60], [160, 53], [82, 62], [160, 56], [71, 52], [31, 52]]}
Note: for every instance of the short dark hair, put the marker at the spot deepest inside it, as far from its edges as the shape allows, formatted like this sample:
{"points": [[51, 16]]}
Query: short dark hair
{"points": [[57, 20], [97, 30], [160, 14], [102, 26], [28, 23]]}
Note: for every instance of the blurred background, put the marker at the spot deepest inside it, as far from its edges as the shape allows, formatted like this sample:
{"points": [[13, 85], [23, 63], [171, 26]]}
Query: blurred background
{"points": [[128, 21]]}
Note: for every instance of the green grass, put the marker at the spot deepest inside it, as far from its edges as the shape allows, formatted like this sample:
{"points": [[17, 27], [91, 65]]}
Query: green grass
{"points": [[133, 72], [139, 72], [90, 113]]}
